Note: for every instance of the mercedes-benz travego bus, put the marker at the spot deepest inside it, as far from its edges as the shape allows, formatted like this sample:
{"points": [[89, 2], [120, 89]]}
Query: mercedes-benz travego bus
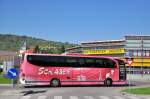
{"points": [[71, 69]]}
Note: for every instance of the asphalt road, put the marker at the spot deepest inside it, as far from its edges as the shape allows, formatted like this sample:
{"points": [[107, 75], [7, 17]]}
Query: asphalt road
{"points": [[71, 92]]}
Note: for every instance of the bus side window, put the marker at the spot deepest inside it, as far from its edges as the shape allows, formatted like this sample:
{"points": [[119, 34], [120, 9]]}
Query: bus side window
{"points": [[35, 60], [62, 61], [100, 63], [52, 61], [90, 62], [71, 62], [110, 63], [81, 62]]}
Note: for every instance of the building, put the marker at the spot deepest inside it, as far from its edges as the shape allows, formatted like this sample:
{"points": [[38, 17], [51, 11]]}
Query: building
{"points": [[136, 47], [7, 60]]}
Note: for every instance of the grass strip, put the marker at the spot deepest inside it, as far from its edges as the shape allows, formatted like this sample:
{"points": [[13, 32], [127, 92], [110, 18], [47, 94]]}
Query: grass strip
{"points": [[143, 91], [4, 80]]}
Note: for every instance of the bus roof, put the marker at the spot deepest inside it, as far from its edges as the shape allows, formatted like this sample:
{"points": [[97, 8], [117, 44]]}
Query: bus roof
{"points": [[75, 55]]}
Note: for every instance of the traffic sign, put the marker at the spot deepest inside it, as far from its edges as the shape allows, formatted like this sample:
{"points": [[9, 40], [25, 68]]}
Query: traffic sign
{"points": [[12, 73], [129, 61]]}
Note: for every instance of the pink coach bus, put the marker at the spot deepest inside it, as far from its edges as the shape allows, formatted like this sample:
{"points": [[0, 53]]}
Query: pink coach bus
{"points": [[71, 69]]}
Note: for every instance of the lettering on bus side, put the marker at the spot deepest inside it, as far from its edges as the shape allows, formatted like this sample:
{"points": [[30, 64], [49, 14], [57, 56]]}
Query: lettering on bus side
{"points": [[46, 71]]}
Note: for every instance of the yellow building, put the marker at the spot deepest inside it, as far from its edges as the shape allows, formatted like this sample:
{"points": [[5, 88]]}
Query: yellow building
{"points": [[137, 47]]}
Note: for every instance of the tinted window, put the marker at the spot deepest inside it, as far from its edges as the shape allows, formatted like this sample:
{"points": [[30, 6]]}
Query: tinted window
{"points": [[90, 62], [41, 60], [110, 63], [120, 62], [105, 63], [100, 63], [61, 61], [73, 62], [81, 62]]}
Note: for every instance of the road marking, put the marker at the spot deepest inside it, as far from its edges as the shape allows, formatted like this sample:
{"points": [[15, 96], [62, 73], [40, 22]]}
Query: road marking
{"points": [[119, 97], [25, 97], [41, 97], [147, 97], [57, 97], [73, 97], [88, 97], [133, 97], [104, 97]]}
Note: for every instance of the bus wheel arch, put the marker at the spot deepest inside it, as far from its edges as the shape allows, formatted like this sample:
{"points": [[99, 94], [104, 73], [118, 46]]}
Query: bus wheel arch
{"points": [[55, 82], [108, 82]]}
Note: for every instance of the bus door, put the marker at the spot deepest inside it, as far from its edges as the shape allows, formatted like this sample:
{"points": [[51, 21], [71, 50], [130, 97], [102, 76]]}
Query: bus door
{"points": [[122, 70]]}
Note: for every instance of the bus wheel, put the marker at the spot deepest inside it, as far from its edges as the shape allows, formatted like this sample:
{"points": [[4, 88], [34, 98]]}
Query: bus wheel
{"points": [[108, 82], [55, 83]]}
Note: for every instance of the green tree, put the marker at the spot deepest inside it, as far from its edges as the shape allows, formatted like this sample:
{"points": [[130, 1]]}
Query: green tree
{"points": [[62, 49], [11, 42], [36, 49]]}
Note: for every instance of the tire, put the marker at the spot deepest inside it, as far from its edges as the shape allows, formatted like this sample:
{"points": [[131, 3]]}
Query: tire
{"points": [[55, 83], [108, 82]]}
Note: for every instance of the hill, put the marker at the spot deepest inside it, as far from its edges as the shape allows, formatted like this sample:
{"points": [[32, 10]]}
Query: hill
{"points": [[9, 42]]}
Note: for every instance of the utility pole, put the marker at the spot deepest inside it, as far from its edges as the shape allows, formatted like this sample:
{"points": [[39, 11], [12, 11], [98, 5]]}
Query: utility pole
{"points": [[142, 56], [13, 63], [129, 60]]}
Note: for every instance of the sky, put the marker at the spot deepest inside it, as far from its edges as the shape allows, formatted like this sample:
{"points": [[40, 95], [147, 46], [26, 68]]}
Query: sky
{"points": [[75, 21]]}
